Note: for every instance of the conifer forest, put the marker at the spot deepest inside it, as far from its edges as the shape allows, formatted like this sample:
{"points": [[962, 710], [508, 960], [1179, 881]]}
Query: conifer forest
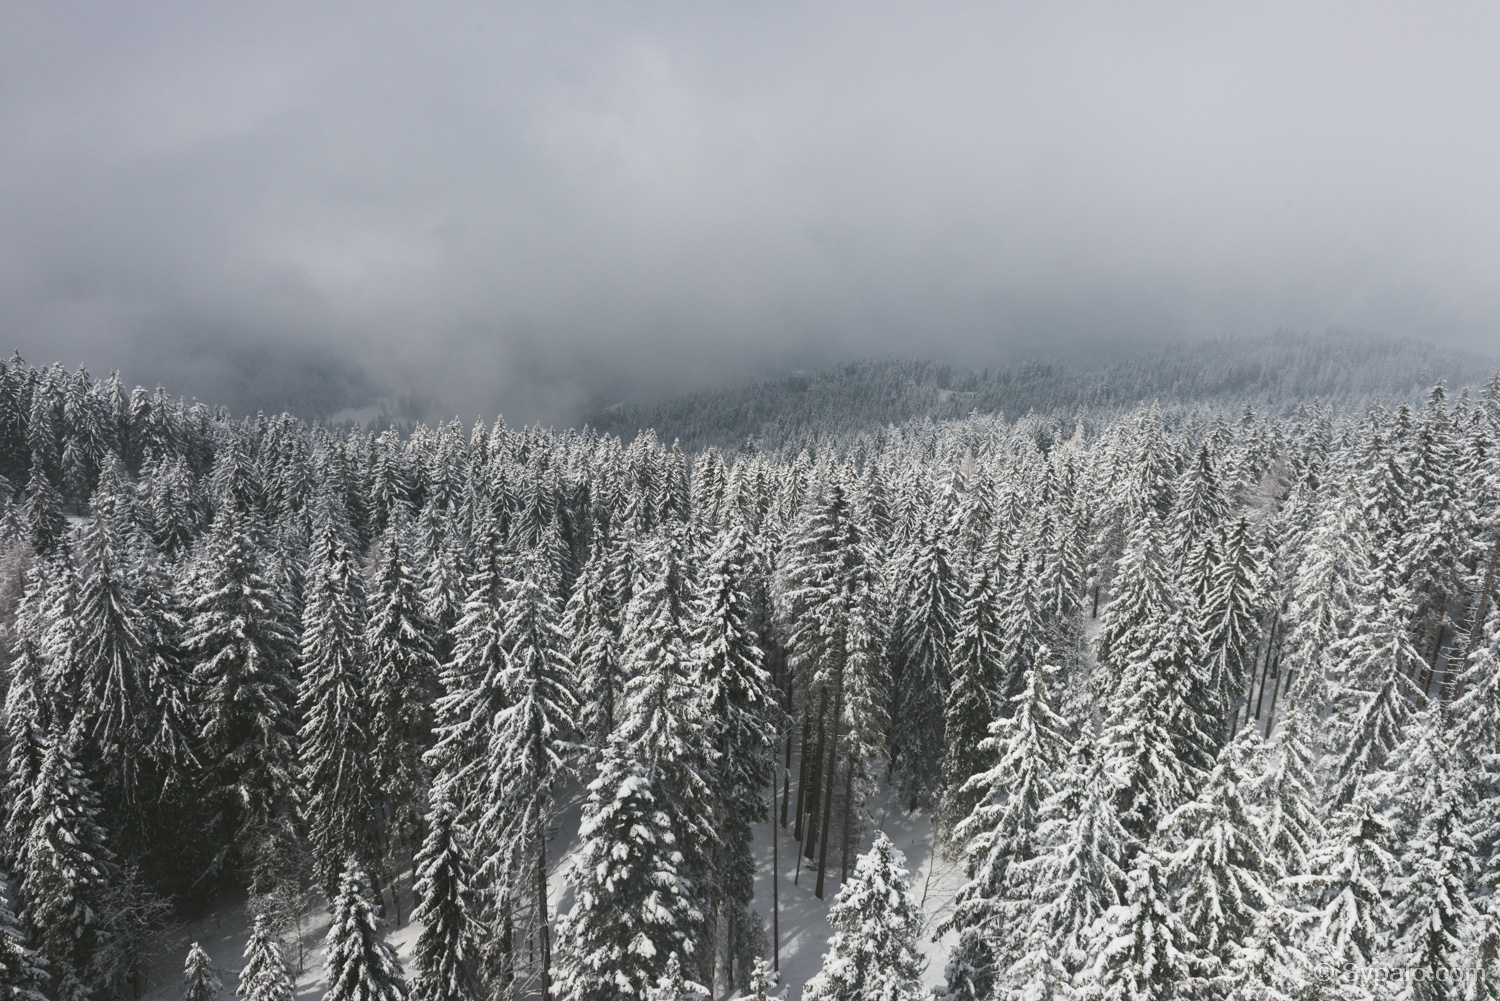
{"points": [[1198, 698]]}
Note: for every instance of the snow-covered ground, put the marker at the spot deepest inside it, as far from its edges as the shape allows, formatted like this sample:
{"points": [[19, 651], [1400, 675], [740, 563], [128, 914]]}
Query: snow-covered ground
{"points": [[804, 918]]}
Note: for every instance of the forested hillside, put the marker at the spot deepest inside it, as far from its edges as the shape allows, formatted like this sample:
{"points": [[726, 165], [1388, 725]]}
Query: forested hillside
{"points": [[1277, 374], [1203, 693]]}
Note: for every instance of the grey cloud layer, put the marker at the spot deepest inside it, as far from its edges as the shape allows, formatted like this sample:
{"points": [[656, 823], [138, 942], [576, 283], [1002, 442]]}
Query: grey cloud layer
{"points": [[527, 206]]}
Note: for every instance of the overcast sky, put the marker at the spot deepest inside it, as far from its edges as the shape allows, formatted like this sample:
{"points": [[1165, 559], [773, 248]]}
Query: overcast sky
{"points": [[527, 206]]}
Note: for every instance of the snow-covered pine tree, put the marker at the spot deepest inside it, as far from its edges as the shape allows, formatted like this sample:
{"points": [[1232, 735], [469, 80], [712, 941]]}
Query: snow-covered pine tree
{"points": [[174, 744], [762, 980], [66, 869], [632, 903], [1285, 789], [591, 621], [360, 964], [335, 743], [198, 978], [873, 952], [1153, 736], [813, 573], [1080, 875], [741, 714], [1142, 592], [926, 622], [403, 682], [46, 524], [23, 973], [1031, 745], [1325, 592], [446, 572], [1146, 952], [113, 708], [1224, 879], [474, 682], [264, 976], [1267, 966], [1351, 919], [1378, 665], [28, 710], [1198, 511], [673, 986], [1230, 621], [243, 651], [664, 718], [447, 950], [1431, 891], [528, 752], [977, 698]]}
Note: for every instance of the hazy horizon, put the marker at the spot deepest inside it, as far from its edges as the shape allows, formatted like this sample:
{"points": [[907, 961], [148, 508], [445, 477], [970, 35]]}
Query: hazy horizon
{"points": [[536, 210]]}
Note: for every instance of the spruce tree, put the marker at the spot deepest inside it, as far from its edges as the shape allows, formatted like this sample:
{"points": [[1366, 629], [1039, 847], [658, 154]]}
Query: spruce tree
{"points": [[243, 651], [475, 689], [673, 986], [1146, 950], [1145, 734], [113, 704], [66, 868], [1230, 619], [664, 717], [334, 741], [740, 709], [1351, 919], [28, 711], [199, 981], [633, 904], [1223, 877], [447, 950], [360, 965], [873, 952], [528, 754], [403, 681], [927, 613], [23, 973], [264, 976], [1080, 875], [1433, 909], [1031, 744], [1286, 787], [591, 619], [1378, 664], [977, 697]]}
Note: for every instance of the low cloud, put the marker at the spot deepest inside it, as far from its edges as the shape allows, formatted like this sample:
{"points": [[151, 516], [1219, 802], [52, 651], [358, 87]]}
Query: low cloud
{"points": [[539, 207]]}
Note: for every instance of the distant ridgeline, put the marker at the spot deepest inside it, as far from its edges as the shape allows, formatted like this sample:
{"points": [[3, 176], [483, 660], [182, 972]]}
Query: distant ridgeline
{"points": [[1204, 694], [1274, 373]]}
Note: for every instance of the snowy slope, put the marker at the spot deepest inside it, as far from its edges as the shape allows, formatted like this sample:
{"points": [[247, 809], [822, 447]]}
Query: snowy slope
{"points": [[804, 918]]}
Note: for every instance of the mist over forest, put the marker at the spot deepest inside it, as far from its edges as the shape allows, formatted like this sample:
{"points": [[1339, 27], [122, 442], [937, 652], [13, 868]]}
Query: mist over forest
{"points": [[669, 502]]}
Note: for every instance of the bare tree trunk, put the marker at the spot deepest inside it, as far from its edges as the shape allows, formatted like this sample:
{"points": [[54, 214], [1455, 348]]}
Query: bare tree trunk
{"points": [[1430, 668], [379, 887], [544, 933], [802, 770], [1265, 671], [1250, 681], [776, 875], [729, 937], [833, 768], [815, 778], [1275, 689], [786, 773], [1094, 614], [848, 817]]}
